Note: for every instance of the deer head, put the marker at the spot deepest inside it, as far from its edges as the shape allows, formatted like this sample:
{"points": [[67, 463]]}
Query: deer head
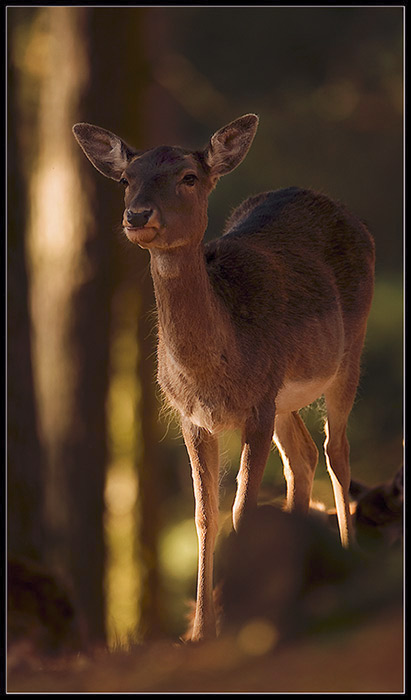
{"points": [[167, 188]]}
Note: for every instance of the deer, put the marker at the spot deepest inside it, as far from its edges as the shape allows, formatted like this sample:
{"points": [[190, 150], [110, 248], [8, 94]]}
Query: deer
{"points": [[379, 512], [252, 326]]}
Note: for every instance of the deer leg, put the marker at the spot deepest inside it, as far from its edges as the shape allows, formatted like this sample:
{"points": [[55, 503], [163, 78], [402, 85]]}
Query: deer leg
{"points": [[339, 398], [299, 455], [336, 450], [257, 436], [203, 452]]}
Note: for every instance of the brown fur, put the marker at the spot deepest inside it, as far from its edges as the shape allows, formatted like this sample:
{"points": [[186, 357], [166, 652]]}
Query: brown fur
{"points": [[253, 326]]}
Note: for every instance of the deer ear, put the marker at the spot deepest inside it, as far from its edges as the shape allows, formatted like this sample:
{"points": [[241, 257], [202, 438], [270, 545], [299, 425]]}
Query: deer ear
{"points": [[229, 146], [108, 153]]}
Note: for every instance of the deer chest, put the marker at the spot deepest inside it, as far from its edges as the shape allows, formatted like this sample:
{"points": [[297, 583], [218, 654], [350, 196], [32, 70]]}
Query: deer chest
{"points": [[205, 398]]}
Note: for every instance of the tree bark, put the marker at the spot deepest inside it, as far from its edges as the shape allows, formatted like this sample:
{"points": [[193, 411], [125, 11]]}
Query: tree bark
{"points": [[70, 294], [24, 455], [123, 113]]}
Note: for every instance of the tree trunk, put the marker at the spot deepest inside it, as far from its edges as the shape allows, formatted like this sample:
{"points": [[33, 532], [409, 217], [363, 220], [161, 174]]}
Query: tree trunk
{"points": [[24, 454], [70, 296], [74, 263], [123, 113]]}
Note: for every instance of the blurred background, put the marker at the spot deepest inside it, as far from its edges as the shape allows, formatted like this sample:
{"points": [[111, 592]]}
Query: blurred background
{"points": [[99, 485]]}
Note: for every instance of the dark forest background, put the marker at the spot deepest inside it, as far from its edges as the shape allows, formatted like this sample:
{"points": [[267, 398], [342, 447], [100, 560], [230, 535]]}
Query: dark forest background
{"points": [[98, 483]]}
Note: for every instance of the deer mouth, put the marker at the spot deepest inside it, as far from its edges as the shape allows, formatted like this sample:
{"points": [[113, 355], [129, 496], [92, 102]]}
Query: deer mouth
{"points": [[143, 236]]}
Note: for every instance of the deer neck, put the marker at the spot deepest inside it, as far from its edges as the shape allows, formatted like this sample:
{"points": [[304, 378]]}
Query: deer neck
{"points": [[194, 329]]}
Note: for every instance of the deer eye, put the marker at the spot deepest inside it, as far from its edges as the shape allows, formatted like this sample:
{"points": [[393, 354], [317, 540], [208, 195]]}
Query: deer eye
{"points": [[124, 181], [189, 179]]}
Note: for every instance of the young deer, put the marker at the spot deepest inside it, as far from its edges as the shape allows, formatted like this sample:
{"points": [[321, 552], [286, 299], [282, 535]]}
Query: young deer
{"points": [[252, 326]]}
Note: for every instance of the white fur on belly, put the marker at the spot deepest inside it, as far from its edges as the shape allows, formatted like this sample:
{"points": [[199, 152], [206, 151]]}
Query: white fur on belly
{"points": [[295, 395]]}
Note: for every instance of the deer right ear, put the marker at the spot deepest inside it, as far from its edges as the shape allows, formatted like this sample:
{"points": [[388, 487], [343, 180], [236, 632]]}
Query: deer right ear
{"points": [[106, 151]]}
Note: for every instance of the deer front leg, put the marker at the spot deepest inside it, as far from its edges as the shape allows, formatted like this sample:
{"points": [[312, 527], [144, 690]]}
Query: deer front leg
{"points": [[257, 436], [203, 452]]}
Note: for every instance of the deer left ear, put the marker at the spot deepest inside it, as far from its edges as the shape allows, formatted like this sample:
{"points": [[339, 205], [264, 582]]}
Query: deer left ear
{"points": [[229, 146]]}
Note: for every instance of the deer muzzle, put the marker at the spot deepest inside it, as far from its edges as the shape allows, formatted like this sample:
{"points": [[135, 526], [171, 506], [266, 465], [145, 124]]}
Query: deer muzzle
{"points": [[138, 219], [141, 226]]}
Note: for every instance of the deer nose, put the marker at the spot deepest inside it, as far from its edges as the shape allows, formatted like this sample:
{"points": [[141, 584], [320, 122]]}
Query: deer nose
{"points": [[138, 219]]}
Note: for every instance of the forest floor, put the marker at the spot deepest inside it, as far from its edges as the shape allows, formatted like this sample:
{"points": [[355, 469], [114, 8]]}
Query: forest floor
{"points": [[363, 659]]}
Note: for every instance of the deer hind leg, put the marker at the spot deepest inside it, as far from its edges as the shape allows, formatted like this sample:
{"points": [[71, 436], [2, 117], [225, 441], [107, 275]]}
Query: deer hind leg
{"points": [[299, 455], [203, 452], [339, 398], [257, 435]]}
